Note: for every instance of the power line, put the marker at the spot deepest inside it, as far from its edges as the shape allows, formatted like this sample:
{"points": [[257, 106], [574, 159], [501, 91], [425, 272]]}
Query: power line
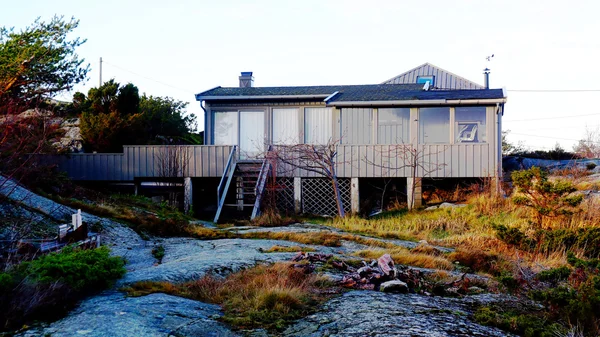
{"points": [[552, 137], [554, 90], [146, 77], [549, 118]]}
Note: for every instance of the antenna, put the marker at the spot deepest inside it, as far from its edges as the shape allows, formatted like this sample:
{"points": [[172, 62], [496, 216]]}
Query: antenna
{"points": [[489, 58]]}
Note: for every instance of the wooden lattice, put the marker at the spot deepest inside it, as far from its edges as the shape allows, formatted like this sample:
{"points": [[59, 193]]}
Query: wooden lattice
{"points": [[281, 192], [318, 197]]}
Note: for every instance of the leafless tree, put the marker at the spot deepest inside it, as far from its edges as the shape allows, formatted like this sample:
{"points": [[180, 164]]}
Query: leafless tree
{"points": [[172, 162], [589, 146], [319, 159], [415, 159]]}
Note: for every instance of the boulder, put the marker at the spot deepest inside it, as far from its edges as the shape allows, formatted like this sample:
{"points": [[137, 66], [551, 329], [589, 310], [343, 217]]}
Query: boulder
{"points": [[394, 286]]}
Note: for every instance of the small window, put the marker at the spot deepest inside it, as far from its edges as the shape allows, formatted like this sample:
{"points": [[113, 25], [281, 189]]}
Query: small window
{"points": [[318, 125], [434, 125], [425, 79], [225, 128], [470, 125]]}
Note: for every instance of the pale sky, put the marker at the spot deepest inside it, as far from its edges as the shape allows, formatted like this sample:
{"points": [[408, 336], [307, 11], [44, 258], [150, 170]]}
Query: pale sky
{"points": [[178, 48]]}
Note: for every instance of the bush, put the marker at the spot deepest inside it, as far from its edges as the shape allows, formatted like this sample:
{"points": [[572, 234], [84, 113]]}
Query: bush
{"points": [[524, 324], [576, 301], [547, 198], [590, 166], [47, 287]]}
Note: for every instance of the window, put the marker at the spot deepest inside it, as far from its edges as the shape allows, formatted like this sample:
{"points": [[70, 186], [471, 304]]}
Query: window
{"points": [[470, 125], [225, 126], [393, 126], [356, 125], [434, 125], [424, 79], [286, 128], [252, 133], [317, 125]]}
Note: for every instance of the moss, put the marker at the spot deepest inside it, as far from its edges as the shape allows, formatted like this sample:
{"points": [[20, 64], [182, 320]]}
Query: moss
{"points": [[523, 324]]}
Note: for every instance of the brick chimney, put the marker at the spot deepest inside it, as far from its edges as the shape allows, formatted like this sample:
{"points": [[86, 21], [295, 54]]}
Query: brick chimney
{"points": [[246, 79]]}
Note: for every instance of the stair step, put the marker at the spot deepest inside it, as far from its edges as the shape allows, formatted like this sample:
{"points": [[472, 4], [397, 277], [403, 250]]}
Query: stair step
{"points": [[235, 205]]}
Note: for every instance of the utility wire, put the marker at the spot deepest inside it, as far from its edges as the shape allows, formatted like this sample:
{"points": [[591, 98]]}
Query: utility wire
{"points": [[552, 137], [146, 77], [549, 118], [554, 90]]}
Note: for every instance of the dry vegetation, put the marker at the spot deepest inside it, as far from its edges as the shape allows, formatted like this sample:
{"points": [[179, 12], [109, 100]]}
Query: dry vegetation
{"points": [[262, 296]]}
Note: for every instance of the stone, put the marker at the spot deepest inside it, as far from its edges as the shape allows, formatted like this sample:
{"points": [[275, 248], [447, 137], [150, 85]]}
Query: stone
{"points": [[394, 286], [386, 264]]}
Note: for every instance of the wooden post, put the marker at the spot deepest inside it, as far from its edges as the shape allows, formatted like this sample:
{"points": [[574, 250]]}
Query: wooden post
{"points": [[188, 197], [298, 195], [354, 195], [414, 195]]}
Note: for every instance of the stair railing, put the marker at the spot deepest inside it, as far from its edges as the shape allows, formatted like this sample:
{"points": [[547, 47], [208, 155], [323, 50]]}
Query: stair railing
{"points": [[261, 183], [225, 181]]}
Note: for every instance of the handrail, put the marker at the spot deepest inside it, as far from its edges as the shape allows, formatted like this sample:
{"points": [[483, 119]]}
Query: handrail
{"points": [[260, 183], [225, 172]]}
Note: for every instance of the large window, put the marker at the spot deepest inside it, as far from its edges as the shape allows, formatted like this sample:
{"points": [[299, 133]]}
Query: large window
{"points": [[434, 125], [393, 126], [286, 126], [317, 125], [470, 125], [225, 126], [356, 125]]}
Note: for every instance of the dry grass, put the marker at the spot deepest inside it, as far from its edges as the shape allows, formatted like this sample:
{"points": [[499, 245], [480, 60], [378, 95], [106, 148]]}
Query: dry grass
{"points": [[262, 296], [404, 256], [309, 238], [288, 249]]}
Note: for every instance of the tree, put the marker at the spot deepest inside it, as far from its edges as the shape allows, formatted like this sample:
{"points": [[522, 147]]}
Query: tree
{"points": [[320, 159], [38, 62], [508, 148], [113, 115], [589, 146], [547, 198]]}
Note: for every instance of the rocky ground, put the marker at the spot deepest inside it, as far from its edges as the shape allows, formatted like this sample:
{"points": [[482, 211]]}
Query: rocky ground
{"points": [[355, 313]]}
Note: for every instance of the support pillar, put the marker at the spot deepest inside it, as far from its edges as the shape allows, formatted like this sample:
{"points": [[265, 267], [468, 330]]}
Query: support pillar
{"points": [[188, 197], [136, 187], [354, 195], [298, 195], [414, 196]]}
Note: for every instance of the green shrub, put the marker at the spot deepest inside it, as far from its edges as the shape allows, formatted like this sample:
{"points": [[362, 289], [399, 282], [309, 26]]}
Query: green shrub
{"points": [[47, 287], [554, 274], [547, 198], [524, 324], [158, 252]]}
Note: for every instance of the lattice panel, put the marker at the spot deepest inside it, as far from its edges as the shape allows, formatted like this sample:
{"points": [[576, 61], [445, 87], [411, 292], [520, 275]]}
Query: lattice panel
{"points": [[318, 197], [282, 193]]}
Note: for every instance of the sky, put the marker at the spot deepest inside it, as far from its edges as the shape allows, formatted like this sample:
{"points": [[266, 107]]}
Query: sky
{"points": [[178, 48]]}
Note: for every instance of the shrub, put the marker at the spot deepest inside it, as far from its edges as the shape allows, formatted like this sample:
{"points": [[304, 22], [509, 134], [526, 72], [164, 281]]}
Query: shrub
{"points": [[554, 274], [546, 198], [47, 287], [524, 324], [590, 166]]}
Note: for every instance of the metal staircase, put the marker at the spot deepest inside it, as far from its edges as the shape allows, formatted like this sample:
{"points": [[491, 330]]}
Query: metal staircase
{"points": [[250, 177]]}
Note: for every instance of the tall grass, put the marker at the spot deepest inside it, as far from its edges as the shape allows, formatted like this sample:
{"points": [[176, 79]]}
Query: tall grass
{"points": [[262, 296]]}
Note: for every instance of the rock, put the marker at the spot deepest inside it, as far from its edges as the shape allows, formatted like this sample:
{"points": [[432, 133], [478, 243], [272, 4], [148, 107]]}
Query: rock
{"points": [[115, 315], [394, 286], [475, 290], [386, 264], [368, 313], [423, 242], [445, 205]]}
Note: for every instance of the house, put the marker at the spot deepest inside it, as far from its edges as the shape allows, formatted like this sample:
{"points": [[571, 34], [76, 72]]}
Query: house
{"points": [[424, 123], [448, 125]]}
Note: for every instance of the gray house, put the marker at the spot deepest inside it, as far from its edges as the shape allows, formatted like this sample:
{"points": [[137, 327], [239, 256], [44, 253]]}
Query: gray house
{"points": [[424, 123]]}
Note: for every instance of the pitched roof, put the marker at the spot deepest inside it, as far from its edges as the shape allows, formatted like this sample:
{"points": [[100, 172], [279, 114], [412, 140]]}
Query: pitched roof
{"points": [[348, 93], [282, 92], [443, 79]]}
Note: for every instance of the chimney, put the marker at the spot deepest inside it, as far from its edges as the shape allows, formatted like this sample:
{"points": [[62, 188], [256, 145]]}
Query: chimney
{"points": [[486, 78], [246, 79]]}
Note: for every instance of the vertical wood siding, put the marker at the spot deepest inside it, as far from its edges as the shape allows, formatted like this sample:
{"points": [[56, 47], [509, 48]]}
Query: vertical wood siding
{"points": [[356, 125]]}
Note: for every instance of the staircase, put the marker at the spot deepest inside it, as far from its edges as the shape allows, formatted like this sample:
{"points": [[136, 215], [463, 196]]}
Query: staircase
{"points": [[249, 178]]}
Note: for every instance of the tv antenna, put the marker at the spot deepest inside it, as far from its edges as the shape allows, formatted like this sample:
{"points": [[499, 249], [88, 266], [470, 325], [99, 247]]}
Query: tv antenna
{"points": [[489, 58]]}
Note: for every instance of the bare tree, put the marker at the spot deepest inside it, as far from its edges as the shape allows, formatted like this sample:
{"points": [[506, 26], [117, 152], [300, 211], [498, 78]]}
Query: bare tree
{"points": [[589, 146], [172, 162], [319, 159], [408, 157]]}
